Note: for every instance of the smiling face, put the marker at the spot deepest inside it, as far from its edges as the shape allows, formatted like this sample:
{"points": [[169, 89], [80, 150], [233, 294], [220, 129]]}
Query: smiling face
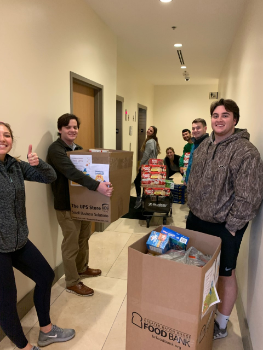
{"points": [[198, 130], [150, 131], [70, 132], [6, 141], [186, 136], [223, 123], [170, 154]]}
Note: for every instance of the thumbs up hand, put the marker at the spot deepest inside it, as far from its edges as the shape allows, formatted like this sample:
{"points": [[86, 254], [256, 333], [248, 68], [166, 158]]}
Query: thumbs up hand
{"points": [[33, 159]]}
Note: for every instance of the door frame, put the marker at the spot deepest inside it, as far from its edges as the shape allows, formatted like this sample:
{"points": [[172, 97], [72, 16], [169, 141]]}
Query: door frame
{"points": [[145, 108], [98, 116], [121, 99], [98, 104]]}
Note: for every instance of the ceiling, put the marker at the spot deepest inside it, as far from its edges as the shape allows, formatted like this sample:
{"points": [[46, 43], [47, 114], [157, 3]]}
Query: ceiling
{"points": [[206, 28]]}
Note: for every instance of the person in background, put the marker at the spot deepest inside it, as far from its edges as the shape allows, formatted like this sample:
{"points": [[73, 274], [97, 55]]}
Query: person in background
{"points": [[225, 190], [172, 162], [150, 149], [16, 250], [186, 133], [199, 134], [75, 245]]}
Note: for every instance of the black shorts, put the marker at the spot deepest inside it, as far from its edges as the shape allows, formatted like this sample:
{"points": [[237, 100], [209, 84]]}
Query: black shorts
{"points": [[230, 244]]}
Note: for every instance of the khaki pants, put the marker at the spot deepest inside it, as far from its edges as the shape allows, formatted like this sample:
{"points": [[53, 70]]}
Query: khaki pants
{"points": [[75, 246]]}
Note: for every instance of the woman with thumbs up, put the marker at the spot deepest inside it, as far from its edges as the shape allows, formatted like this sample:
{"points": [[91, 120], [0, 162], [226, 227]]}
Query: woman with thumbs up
{"points": [[17, 251]]}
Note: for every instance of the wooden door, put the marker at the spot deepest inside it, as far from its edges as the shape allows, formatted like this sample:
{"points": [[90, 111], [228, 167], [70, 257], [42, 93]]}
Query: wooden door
{"points": [[83, 107]]}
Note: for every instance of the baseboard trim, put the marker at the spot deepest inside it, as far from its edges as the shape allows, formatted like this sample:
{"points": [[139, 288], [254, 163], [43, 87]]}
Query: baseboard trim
{"points": [[245, 334], [26, 303]]}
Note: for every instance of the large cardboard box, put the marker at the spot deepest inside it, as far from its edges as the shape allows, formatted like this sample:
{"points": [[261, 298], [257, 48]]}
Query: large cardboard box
{"points": [[93, 206], [167, 302]]}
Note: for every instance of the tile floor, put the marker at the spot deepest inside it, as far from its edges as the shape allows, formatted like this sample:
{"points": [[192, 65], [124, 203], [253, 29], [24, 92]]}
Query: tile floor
{"points": [[100, 320]]}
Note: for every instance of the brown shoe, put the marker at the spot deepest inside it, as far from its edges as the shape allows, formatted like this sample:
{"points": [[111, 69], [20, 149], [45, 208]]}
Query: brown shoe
{"points": [[90, 273], [81, 290]]}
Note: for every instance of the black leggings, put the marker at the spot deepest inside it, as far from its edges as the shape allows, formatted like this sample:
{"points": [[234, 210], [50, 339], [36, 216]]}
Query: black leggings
{"points": [[31, 263], [137, 183]]}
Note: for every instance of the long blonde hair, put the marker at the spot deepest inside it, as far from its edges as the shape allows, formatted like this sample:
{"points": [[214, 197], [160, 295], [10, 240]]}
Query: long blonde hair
{"points": [[153, 136]]}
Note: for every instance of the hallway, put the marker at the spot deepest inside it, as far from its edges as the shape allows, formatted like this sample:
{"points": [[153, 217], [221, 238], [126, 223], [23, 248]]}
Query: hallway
{"points": [[100, 321]]}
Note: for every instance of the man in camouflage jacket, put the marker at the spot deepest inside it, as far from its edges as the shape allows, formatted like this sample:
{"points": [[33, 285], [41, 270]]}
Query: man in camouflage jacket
{"points": [[225, 190]]}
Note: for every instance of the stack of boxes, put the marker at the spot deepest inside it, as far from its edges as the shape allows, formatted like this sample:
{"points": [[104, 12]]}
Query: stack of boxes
{"points": [[154, 177], [179, 194]]}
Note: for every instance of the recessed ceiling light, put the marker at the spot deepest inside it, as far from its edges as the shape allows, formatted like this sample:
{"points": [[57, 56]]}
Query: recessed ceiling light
{"points": [[183, 67], [178, 45], [166, 0]]}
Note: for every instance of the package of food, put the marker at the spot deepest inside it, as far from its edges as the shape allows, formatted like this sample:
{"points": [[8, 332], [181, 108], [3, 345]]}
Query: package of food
{"points": [[195, 257], [157, 168], [156, 161], [158, 175], [157, 243], [169, 184], [152, 182], [177, 241], [157, 191], [173, 254], [146, 168]]}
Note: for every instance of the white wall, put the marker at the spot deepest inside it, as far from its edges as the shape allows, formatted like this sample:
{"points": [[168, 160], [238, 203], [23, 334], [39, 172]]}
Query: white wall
{"points": [[134, 89], [242, 80], [41, 42], [175, 107]]}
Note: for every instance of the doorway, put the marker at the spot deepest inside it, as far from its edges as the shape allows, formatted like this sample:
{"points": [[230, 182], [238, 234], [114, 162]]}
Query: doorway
{"points": [[119, 109], [83, 107], [86, 103], [142, 118]]}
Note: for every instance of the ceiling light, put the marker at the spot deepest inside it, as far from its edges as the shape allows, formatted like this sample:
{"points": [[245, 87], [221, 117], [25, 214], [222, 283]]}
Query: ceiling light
{"points": [[166, 0], [183, 67], [178, 45]]}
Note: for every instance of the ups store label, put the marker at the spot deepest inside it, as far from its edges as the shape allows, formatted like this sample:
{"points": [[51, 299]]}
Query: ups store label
{"points": [[90, 206], [91, 211]]}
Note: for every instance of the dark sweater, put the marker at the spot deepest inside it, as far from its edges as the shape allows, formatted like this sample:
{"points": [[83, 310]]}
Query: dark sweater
{"points": [[13, 222], [65, 170], [172, 170]]}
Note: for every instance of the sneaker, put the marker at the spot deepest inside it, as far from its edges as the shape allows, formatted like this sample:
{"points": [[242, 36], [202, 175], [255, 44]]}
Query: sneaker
{"points": [[81, 290], [218, 332], [138, 203], [56, 335], [90, 272]]}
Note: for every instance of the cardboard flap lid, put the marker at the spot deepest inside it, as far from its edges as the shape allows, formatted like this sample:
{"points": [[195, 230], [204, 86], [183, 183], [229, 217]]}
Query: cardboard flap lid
{"points": [[117, 159]]}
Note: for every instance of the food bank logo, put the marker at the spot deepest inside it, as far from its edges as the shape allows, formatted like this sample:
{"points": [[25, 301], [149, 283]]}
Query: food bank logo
{"points": [[161, 332], [105, 207], [137, 319]]}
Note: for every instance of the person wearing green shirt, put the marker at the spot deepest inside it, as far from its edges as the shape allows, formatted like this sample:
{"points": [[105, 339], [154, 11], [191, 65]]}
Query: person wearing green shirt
{"points": [[186, 133]]}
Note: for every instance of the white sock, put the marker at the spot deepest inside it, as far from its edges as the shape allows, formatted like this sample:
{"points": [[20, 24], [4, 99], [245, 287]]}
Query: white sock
{"points": [[221, 319]]}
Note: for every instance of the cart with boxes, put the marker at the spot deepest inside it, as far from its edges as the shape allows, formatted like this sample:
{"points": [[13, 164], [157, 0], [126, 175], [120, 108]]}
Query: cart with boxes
{"points": [[157, 199]]}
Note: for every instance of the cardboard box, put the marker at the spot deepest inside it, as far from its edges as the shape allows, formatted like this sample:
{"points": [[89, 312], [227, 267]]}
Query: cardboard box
{"points": [[167, 301], [93, 206]]}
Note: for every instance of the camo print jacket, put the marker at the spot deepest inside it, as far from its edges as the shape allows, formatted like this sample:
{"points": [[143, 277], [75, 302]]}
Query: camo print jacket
{"points": [[226, 181]]}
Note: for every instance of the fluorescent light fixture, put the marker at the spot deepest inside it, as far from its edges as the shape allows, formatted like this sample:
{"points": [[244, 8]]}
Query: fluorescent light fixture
{"points": [[183, 67], [166, 0], [178, 45]]}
